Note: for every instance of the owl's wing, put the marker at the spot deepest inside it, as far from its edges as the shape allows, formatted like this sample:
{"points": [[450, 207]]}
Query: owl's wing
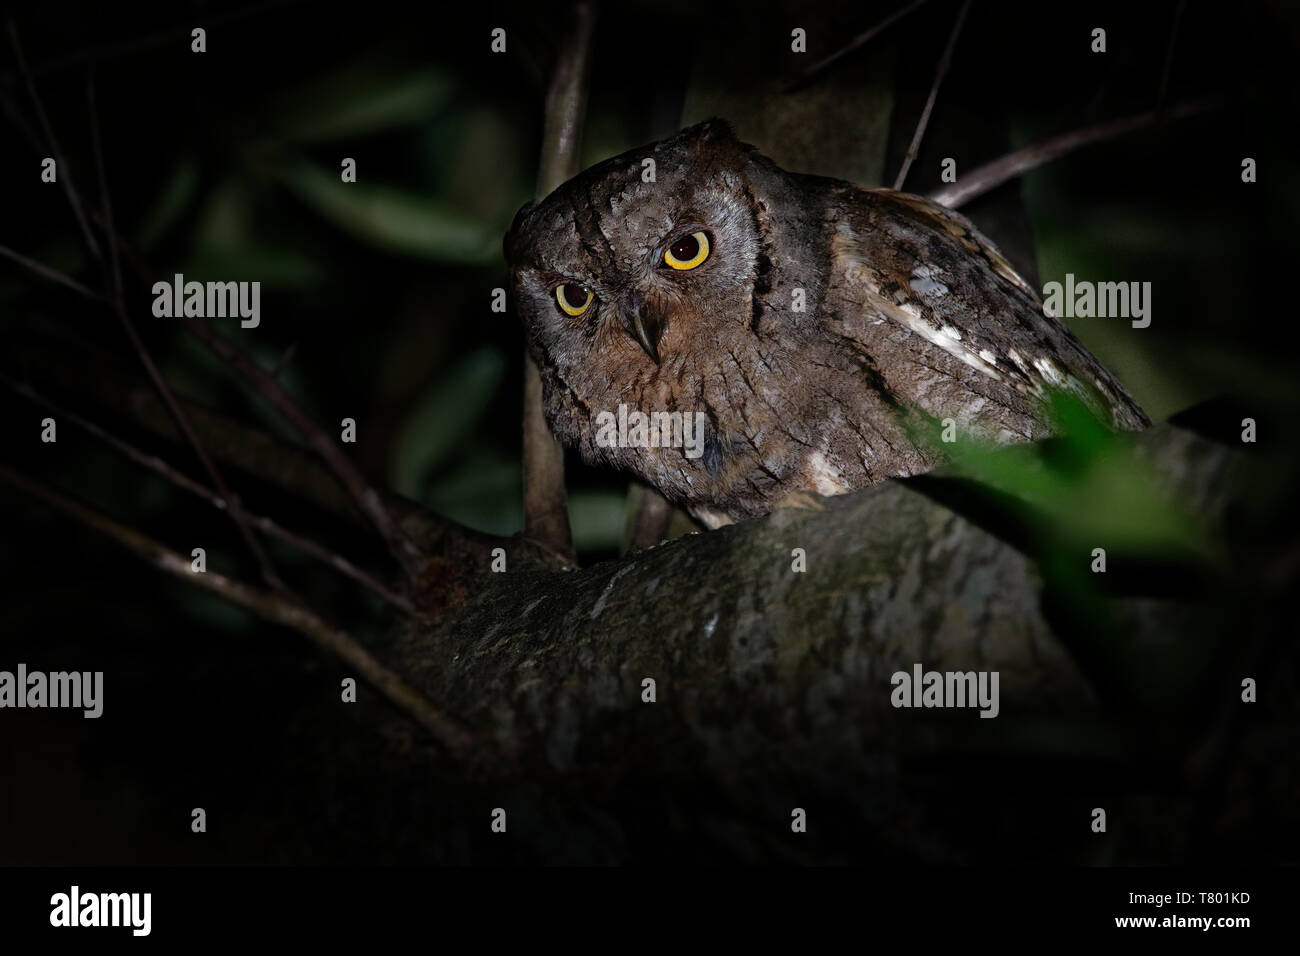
{"points": [[960, 228], [960, 329]]}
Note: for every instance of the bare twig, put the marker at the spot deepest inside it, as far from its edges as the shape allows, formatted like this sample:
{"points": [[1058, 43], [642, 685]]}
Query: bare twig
{"points": [[14, 114], [66, 180], [182, 480], [399, 543], [283, 361], [54, 275], [266, 604], [566, 102], [118, 303], [367, 498], [992, 175], [944, 62], [859, 41], [407, 553], [114, 265], [286, 465], [1167, 70], [177, 34], [116, 297], [546, 513]]}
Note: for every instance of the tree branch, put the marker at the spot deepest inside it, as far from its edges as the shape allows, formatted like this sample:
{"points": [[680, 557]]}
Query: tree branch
{"points": [[117, 302], [400, 544], [54, 275], [944, 62], [546, 514], [64, 178], [266, 604], [278, 462], [181, 480], [1167, 70], [992, 175], [774, 687], [859, 41], [367, 498]]}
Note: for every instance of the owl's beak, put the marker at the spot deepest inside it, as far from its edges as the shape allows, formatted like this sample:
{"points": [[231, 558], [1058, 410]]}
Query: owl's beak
{"points": [[644, 323]]}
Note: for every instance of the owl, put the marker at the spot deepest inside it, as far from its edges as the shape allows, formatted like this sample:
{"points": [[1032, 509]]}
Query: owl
{"points": [[817, 334]]}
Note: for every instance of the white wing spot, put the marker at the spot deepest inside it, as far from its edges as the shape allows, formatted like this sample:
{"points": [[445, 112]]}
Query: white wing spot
{"points": [[947, 338], [1049, 371], [924, 282], [1034, 387]]}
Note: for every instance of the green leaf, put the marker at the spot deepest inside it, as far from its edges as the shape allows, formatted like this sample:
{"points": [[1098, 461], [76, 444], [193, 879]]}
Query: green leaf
{"points": [[485, 492], [394, 220], [443, 418], [365, 98], [175, 198], [597, 518], [1086, 487]]}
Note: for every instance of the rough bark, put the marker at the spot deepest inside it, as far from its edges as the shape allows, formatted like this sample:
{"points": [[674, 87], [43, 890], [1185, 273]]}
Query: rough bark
{"points": [[773, 687]]}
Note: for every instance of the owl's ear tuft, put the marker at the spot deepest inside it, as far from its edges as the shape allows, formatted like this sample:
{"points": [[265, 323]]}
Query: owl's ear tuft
{"points": [[509, 245], [712, 130], [716, 138]]}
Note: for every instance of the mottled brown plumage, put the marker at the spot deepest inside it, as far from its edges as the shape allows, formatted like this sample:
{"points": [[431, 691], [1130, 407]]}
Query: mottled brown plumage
{"points": [[909, 317]]}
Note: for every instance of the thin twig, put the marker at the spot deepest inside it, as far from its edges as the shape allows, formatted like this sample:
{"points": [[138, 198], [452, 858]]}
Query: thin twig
{"points": [[546, 512], [944, 62], [283, 361], [54, 275], [177, 35], [116, 299], [448, 531], [15, 115], [412, 560], [118, 302], [992, 175], [61, 171], [182, 480], [114, 265], [1169, 55], [267, 604], [401, 546], [859, 41]]}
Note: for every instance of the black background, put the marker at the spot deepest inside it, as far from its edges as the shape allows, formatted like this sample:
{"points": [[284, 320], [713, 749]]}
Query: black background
{"points": [[206, 706]]}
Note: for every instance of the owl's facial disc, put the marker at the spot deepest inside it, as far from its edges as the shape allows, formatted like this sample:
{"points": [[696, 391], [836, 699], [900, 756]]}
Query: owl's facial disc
{"points": [[644, 318], [643, 322]]}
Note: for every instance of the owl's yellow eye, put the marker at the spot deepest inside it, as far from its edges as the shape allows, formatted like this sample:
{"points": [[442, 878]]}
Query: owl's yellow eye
{"points": [[573, 298], [688, 251]]}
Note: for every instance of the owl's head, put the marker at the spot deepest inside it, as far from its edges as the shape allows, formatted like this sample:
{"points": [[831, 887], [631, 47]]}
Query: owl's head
{"points": [[627, 273]]}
